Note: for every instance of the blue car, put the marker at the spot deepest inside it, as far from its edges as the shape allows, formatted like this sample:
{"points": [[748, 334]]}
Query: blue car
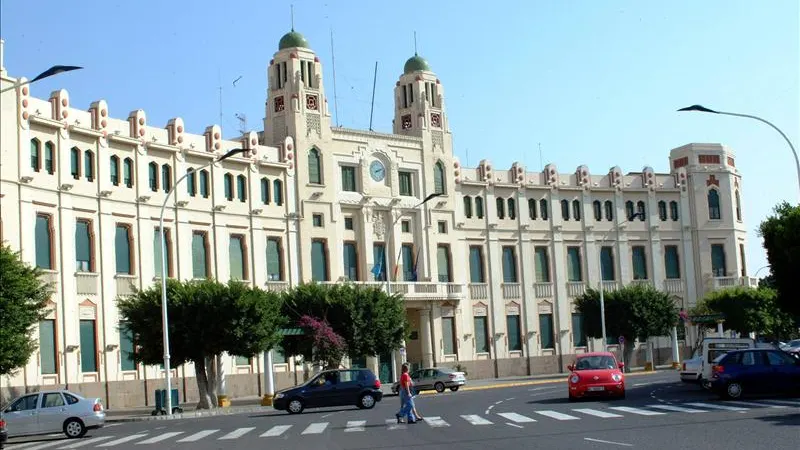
{"points": [[755, 371], [343, 387]]}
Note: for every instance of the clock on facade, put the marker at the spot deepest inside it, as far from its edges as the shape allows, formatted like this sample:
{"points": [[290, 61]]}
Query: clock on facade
{"points": [[377, 171]]}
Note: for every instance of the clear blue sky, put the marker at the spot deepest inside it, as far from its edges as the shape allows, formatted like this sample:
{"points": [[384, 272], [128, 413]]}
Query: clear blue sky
{"points": [[595, 82]]}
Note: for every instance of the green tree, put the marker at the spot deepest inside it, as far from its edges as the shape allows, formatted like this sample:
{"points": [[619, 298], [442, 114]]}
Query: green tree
{"points": [[632, 312], [23, 303], [781, 234], [748, 310], [206, 318]]}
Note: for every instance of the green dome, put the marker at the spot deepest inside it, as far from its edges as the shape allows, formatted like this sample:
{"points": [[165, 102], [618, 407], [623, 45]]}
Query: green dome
{"points": [[292, 39], [416, 64]]}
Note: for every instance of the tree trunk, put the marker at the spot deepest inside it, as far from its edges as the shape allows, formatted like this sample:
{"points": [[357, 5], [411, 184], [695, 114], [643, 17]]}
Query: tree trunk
{"points": [[201, 376], [211, 365]]}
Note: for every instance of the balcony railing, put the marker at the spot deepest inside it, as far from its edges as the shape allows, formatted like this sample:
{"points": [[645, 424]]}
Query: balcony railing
{"points": [[511, 290], [126, 284], [276, 286], [575, 289], [729, 282], [610, 286], [86, 283], [478, 291], [641, 283], [673, 285], [416, 291], [543, 290], [51, 277]]}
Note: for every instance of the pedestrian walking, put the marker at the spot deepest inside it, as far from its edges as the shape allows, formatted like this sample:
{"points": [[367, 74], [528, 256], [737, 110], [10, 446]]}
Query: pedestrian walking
{"points": [[406, 398]]}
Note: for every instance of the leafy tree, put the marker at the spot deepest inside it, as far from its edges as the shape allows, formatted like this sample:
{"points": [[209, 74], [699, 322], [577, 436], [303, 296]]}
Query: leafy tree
{"points": [[23, 303], [328, 348], [632, 312], [206, 318], [748, 310], [781, 234]]}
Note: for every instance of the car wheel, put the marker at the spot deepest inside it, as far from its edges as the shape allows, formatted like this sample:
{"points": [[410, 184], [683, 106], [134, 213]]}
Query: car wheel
{"points": [[295, 406], [367, 401], [733, 390], [74, 428], [439, 386], [454, 388], [706, 384]]}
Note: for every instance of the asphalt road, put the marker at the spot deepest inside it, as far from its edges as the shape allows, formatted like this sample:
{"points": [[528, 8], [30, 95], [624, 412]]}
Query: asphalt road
{"points": [[659, 413]]}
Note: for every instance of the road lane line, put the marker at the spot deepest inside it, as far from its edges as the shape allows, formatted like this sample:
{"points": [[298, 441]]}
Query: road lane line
{"points": [[556, 415], [197, 436], [123, 440], [277, 430], [597, 413], [391, 424], [641, 412], [315, 428], [355, 425], [161, 437], [436, 422], [677, 408], [475, 419], [608, 442], [758, 405], [45, 444], [237, 433], [85, 442], [514, 425], [514, 417], [782, 402], [717, 406]]}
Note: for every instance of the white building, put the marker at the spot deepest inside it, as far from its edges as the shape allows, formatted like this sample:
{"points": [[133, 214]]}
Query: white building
{"points": [[488, 269]]}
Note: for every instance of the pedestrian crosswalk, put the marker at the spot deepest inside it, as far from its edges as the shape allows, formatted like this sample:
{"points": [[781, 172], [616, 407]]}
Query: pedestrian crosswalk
{"points": [[518, 419]]}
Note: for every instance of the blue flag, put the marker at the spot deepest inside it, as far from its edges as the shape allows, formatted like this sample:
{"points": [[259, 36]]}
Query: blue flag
{"points": [[377, 269]]}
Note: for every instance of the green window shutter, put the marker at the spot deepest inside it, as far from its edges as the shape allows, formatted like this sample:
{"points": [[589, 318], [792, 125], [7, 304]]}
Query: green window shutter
{"points": [[479, 207], [319, 262], [277, 192], [578, 335], [467, 206], [564, 210], [408, 262], [713, 205], [509, 265], [481, 335], [242, 361], [241, 188], [314, 175], [204, 183], [639, 263], [265, 191], [152, 170], [74, 162], [598, 210], [543, 209], [512, 209], [88, 165], [443, 264], [514, 333], [546, 330], [405, 183], [662, 210], [126, 348], [607, 263], [476, 265], [236, 258], [628, 210], [348, 178], [379, 261], [47, 346], [199, 257], [673, 210], [574, 272], [191, 188], [542, 265], [127, 172], [448, 336], [532, 209], [672, 262], [718, 265], [438, 178], [44, 247], [83, 249], [273, 260], [609, 207], [88, 346], [166, 177], [122, 249], [500, 205], [228, 185], [350, 257], [114, 170], [49, 158]]}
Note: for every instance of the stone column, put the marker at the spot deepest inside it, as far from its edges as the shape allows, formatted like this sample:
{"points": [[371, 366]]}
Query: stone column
{"points": [[425, 332]]}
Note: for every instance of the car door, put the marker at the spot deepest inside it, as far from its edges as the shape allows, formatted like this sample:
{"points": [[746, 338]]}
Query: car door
{"points": [[783, 372], [22, 416], [349, 387], [322, 390], [753, 371], [52, 411]]}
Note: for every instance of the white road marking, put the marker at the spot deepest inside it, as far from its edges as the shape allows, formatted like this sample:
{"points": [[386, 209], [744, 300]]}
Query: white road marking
{"points": [[392, 424], [475, 419], [514, 417], [355, 425], [782, 402], [161, 437], [641, 412], [46, 444], [498, 402], [488, 410], [326, 415], [237, 433], [608, 442], [123, 440], [108, 425], [514, 425], [509, 399], [556, 415], [315, 428], [677, 408], [277, 430], [436, 422], [541, 388], [197, 436], [642, 384], [14, 446], [717, 406], [596, 413], [85, 442], [758, 405]]}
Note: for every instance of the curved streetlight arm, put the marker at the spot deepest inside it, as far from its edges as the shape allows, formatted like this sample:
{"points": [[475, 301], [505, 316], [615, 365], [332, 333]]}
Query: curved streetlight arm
{"points": [[55, 70]]}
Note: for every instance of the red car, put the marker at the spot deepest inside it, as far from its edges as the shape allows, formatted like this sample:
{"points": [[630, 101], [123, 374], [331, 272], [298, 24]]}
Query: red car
{"points": [[596, 374]]}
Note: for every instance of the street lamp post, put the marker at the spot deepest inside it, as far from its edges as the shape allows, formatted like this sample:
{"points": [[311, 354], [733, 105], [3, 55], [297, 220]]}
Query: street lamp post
{"points": [[701, 108], [164, 315], [55, 70]]}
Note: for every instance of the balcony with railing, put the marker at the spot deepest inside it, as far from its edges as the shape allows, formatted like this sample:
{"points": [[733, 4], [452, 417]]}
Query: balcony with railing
{"points": [[575, 289], [86, 283], [511, 290], [610, 286], [478, 291], [729, 282], [276, 286], [50, 277], [643, 283], [673, 285], [125, 284], [415, 290], [543, 290]]}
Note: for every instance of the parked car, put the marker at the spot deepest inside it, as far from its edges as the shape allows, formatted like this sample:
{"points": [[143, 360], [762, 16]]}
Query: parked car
{"points": [[697, 369], [755, 371], [3, 433], [596, 374], [438, 379], [53, 412], [344, 387]]}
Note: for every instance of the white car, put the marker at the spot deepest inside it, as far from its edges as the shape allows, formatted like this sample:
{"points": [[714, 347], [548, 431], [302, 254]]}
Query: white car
{"points": [[48, 412], [697, 369]]}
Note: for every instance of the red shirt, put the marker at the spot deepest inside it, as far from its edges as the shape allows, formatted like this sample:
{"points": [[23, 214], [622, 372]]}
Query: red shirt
{"points": [[405, 380]]}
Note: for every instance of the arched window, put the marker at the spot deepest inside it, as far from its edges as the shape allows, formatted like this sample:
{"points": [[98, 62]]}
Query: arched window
{"points": [[241, 188], [438, 178], [191, 182], [565, 209], [166, 177], [467, 206], [204, 183], [532, 209], [49, 158], [265, 191], [576, 209], [152, 172], [227, 182], [479, 207], [609, 207], [738, 206], [277, 192], [88, 165], [543, 209], [114, 170], [598, 210], [714, 212], [640, 210], [75, 163], [36, 155], [673, 210], [501, 208], [127, 172], [662, 210], [314, 167], [512, 209], [628, 210]]}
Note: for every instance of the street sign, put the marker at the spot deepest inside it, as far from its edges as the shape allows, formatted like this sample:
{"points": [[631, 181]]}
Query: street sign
{"points": [[707, 318], [621, 340], [402, 351]]}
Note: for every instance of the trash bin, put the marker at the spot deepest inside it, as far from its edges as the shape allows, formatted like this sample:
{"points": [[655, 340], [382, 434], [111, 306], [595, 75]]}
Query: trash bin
{"points": [[161, 402]]}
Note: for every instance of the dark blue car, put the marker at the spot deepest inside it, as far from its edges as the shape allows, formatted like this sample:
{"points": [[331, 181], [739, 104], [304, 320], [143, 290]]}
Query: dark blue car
{"points": [[346, 387], [755, 371]]}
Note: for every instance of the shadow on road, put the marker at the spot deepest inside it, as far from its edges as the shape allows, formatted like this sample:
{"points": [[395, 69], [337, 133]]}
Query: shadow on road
{"points": [[792, 419], [304, 413]]}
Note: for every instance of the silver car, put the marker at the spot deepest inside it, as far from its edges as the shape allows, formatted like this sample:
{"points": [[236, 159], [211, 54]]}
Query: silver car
{"points": [[48, 412], [438, 379]]}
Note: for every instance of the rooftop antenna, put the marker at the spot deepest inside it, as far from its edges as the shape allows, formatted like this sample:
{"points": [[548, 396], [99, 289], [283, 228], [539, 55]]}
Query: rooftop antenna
{"points": [[335, 98], [219, 79], [541, 162], [372, 106], [468, 157], [291, 9], [242, 123], [415, 43]]}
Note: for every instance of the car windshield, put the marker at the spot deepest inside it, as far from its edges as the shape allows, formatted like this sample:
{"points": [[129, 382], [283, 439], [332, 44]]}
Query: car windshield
{"points": [[595, 362]]}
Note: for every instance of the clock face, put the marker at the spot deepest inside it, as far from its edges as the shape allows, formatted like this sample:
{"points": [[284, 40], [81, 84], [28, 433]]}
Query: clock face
{"points": [[377, 171]]}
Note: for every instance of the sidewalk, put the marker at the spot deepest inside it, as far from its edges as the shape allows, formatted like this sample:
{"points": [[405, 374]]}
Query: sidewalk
{"points": [[252, 404]]}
